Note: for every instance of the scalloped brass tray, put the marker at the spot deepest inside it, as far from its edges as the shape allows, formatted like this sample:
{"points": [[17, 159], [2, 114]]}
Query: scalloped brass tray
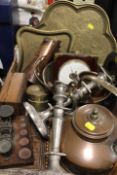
{"points": [[89, 25]]}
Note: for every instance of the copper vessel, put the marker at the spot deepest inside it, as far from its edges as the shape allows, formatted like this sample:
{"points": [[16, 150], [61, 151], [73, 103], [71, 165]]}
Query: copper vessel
{"points": [[44, 54], [89, 139]]}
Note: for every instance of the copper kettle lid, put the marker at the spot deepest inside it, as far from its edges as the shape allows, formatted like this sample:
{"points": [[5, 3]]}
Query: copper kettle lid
{"points": [[93, 121]]}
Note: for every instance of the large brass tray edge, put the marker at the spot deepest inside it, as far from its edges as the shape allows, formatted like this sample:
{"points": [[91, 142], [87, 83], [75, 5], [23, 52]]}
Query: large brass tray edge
{"points": [[44, 34], [107, 33]]}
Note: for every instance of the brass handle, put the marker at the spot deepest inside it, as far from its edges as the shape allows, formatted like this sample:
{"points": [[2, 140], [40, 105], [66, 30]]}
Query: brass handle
{"points": [[111, 88]]}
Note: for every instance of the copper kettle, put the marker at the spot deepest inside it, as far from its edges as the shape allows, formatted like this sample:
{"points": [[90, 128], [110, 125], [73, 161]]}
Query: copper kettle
{"points": [[89, 139]]}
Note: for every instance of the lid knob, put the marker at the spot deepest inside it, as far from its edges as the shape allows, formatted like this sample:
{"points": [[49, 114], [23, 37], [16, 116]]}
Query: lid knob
{"points": [[94, 114]]}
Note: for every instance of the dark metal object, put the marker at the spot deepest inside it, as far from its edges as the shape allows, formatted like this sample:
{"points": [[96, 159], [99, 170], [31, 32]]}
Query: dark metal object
{"points": [[43, 56], [89, 138], [6, 111]]}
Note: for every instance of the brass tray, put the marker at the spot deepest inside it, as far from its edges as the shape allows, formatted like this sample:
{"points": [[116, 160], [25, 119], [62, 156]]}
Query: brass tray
{"points": [[29, 40], [89, 25]]}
